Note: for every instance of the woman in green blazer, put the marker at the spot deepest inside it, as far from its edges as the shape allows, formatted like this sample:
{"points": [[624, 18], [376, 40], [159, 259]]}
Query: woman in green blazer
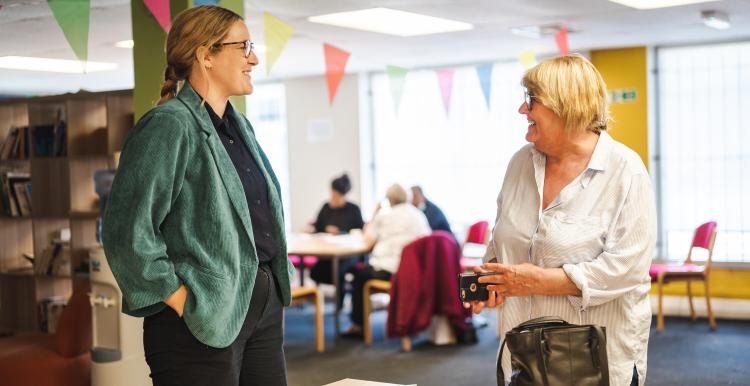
{"points": [[193, 228]]}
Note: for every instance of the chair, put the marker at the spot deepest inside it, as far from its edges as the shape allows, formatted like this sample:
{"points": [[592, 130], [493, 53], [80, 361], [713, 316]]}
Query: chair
{"points": [[312, 294], [60, 359], [372, 287], [477, 233], [302, 262], [424, 287], [704, 237]]}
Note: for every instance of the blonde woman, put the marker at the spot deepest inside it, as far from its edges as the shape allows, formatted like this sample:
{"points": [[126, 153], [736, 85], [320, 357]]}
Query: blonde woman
{"points": [[193, 229], [576, 220]]}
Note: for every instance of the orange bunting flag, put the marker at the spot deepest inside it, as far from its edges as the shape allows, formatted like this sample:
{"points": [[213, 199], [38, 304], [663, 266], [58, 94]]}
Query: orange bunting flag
{"points": [[562, 41], [336, 59]]}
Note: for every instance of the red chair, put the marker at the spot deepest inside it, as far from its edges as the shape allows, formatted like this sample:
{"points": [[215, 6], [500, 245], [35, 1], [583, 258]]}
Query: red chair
{"points": [[704, 237], [477, 233]]}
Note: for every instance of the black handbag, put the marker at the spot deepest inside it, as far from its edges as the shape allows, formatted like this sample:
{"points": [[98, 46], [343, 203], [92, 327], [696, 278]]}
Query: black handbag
{"points": [[549, 351]]}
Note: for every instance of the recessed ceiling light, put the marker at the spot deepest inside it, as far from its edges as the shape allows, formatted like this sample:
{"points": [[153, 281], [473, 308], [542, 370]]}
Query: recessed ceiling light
{"points": [[391, 22], [715, 19], [652, 4], [538, 31], [124, 44], [53, 65]]}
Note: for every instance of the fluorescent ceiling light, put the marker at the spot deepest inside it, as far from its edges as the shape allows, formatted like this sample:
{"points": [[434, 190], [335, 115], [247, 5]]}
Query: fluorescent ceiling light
{"points": [[652, 4], [124, 44], [715, 19], [391, 22], [53, 65]]}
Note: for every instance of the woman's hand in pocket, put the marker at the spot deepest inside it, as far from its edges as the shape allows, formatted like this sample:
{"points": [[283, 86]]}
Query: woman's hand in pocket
{"points": [[177, 300]]}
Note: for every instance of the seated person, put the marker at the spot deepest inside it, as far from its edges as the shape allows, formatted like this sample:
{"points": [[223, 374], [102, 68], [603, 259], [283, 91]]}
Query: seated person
{"points": [[337, 216], [434, 215], [388, 231]]}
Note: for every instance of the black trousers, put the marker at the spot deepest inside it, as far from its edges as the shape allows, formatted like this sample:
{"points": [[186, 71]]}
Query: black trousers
{"points": [[361, 276], [256, 357]]}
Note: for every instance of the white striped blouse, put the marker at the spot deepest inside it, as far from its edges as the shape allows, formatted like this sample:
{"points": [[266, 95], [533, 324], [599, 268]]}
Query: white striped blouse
{"points": [[601, 230]]}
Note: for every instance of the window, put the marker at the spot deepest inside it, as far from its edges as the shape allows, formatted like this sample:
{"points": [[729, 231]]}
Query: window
{"points": [[266, 110], [460, 158], [704, 147]]}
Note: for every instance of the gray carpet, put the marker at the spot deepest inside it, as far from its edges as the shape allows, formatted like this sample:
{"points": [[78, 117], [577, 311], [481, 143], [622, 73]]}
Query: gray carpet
{"points": [[686, 353]]}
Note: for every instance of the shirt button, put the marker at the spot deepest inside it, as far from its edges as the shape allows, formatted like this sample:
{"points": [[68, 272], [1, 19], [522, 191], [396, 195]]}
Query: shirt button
{"points": [[268, 235], [257, 202], [231, 141], [247, 170]]}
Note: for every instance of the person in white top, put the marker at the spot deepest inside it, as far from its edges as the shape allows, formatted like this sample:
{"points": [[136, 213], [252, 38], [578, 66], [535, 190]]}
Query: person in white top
{"points": [[576, 220], [388, 232]]}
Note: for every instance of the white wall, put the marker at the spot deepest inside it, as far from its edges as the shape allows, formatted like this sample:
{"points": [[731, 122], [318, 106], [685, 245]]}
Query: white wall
{"points": [[312, 166]]}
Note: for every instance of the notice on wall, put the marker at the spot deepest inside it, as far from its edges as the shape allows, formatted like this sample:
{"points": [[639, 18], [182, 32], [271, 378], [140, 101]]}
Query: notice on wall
{"points": [[319, 131], [622, 95]]}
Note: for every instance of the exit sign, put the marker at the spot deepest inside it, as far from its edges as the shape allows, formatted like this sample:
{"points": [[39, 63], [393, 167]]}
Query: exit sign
{"points": [[622, 95]]}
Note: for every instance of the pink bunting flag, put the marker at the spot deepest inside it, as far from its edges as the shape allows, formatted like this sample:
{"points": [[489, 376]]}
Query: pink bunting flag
{"points": [[160, 10], [445, 80], [336, 59], [562, 40]]}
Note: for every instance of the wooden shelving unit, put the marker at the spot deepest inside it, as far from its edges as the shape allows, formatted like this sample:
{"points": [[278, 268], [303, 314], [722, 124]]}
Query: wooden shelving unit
{"points": [[62, 195]]}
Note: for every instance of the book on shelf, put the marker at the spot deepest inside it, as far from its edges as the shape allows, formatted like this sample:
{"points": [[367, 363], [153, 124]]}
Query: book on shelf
{"points": [[14, 196]]}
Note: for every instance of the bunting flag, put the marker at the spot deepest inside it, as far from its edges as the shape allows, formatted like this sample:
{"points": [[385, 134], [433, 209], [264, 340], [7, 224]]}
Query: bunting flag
{"points": [[396, 80], [445, 81], [160, 10], [527, 59], [484, 73], [336, 59], [205, 2], [73, 16], [562, 40], [277, 34]]}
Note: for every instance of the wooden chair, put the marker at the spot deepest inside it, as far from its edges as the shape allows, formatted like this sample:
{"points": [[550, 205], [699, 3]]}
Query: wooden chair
{"points": [[375, 286], [704, 237], [313, 295]]}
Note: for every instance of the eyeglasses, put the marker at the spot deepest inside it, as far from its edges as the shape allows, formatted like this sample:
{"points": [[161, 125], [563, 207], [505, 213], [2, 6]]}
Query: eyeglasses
{"points": [[247, 46], [528, 99]]}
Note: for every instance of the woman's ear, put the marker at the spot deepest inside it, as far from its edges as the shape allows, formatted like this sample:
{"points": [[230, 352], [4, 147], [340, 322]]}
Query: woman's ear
{"points": [[204, 57]]}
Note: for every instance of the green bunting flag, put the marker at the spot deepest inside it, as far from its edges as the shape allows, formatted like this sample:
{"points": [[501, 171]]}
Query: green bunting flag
{"points": [[73, 16], [396, 80]]}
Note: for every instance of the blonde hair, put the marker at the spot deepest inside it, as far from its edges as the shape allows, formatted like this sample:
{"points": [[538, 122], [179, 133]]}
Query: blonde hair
{"points": [[396, 194], [201, 26], [573, 89]]}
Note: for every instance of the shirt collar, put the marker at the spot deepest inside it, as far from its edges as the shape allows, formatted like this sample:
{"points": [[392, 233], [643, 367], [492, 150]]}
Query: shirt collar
{"points": [[218, 121], [600, 156]]}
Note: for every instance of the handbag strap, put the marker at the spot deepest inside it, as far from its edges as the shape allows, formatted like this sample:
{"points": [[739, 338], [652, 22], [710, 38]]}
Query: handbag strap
{"points": [[544, 321]]}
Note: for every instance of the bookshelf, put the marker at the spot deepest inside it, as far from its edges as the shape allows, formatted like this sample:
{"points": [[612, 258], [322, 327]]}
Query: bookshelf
{"points": [[61, 193]]}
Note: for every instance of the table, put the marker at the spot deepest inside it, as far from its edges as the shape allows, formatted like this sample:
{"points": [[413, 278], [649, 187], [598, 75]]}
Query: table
{"points": [[328, 247]]}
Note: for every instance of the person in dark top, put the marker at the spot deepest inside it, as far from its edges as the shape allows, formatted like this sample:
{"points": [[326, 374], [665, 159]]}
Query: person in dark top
{"points": [[434, 215], [337, 216]]}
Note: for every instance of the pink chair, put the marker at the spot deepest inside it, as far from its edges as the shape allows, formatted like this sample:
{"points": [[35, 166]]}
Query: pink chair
{"points": [[704, 237], [477, 233], [302, 262]]}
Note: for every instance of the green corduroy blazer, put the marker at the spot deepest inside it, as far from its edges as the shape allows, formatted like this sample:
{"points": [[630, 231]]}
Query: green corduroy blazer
{"points": [[177, 214]]}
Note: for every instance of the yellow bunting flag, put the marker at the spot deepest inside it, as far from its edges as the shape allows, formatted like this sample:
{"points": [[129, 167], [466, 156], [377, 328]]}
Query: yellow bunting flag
{"points": [[527, 59], [277, 34]]}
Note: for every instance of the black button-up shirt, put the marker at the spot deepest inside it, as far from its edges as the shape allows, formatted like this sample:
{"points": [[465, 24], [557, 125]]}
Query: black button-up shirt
{"points": [[253, 181]]}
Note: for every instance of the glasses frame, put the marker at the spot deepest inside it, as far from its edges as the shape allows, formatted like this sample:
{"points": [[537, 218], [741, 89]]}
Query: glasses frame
{"points": [[247, 45], [528, 98]]}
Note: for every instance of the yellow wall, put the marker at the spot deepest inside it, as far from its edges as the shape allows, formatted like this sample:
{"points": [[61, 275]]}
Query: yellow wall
{"points": [[623, 69], [626, 68]]}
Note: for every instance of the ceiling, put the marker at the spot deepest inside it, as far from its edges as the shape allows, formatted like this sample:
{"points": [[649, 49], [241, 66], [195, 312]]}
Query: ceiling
{"points": [[27, 28]]}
